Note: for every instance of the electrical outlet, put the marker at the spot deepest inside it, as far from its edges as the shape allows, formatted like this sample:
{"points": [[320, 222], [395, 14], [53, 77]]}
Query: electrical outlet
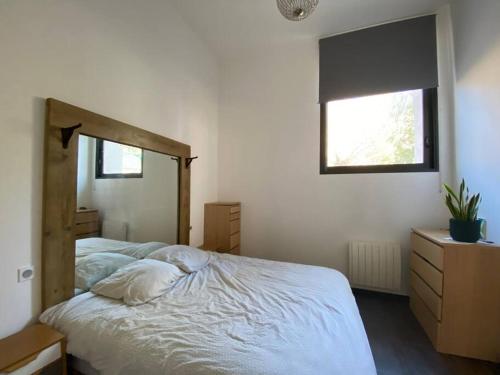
{"points": [[24, 273]]}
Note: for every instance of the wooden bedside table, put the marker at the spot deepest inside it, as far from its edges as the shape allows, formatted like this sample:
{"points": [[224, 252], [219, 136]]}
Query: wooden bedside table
{"points": [[31, 350]]}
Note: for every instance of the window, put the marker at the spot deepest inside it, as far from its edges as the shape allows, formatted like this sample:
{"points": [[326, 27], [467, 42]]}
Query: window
{"points": [[393, 132], [378, 97], [114, 160]]}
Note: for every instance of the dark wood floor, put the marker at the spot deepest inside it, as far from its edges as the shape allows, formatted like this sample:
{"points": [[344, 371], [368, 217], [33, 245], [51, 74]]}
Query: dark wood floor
{"points": [[400, 346]]}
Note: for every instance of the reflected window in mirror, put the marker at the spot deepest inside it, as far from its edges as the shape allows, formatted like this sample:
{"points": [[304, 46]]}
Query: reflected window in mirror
{"points": [[114, 160]]}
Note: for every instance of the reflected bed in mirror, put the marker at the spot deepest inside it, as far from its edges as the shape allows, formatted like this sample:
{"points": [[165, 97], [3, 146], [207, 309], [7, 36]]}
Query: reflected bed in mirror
{"points": [[127, 201]]}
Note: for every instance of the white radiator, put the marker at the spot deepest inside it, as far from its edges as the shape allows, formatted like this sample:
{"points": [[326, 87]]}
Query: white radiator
{"points": [[375, 265]]}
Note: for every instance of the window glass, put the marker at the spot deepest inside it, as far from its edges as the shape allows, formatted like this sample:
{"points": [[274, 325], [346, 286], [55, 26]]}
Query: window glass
{"points": [[381, 129], [121, 159]]}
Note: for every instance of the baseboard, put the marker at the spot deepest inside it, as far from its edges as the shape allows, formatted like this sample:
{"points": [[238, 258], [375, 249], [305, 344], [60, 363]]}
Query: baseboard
{"points": [[378, 291]]}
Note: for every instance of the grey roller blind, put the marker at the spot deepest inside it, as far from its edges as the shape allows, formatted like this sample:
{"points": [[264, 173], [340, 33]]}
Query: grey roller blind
{"points": [[393, 57]]}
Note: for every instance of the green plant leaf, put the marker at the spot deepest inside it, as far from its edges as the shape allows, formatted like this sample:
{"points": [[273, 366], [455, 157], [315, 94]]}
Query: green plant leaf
{"points": [[451, 192], [451, 207], [461, 196], [470, 209]]}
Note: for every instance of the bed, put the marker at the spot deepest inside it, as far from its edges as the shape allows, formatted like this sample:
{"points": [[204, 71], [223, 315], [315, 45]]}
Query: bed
{"points": [[237, 316]]}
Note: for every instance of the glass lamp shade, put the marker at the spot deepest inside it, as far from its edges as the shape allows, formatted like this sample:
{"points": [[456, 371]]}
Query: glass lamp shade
{"points": [[296, 10]]}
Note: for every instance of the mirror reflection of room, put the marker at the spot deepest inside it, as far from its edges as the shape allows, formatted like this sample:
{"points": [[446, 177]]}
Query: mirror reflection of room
{"points": [[127, 198]]}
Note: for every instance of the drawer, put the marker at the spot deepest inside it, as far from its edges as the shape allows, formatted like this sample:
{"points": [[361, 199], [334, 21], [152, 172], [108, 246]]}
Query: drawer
{"points": [[429, 274], [234, 240], [234, 226], [36, 362], [428, 296], [424, 317], [85, 217], [428, 250], [87, 235], [85, 228], [234, 209], [234, 216]]}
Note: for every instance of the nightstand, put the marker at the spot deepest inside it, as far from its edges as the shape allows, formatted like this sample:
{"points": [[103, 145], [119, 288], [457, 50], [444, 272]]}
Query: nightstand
{"points": [[86, 223], [31, 350]]}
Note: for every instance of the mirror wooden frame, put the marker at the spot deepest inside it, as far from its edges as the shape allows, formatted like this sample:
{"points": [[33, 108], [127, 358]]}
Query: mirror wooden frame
{"points": [[60, 190]]}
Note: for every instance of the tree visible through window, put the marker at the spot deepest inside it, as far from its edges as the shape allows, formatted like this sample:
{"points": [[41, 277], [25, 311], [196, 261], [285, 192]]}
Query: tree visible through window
{"points": [[390, 132], [115, 160]]}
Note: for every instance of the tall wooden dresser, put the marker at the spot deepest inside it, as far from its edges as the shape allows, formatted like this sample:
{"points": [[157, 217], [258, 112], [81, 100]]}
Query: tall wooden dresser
{"points": [[86, 223], [455, 294], [222, 227]]}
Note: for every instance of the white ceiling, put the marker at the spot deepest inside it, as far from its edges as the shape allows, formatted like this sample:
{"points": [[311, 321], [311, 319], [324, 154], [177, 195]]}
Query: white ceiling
{"points": [[233, 26]]}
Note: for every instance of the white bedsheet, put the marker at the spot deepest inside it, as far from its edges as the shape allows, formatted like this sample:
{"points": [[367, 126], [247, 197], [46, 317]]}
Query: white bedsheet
{"points": [[238, 316], [87, 246]]}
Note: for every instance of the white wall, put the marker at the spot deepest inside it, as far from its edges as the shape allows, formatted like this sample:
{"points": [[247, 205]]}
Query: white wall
{"points": [[138, 64], [477, 57], [147, 205], [269, 159], [84, 176]]}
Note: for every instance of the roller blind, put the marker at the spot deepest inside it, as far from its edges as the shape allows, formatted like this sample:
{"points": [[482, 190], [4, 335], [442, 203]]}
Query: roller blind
{"points": [[393, 57]]}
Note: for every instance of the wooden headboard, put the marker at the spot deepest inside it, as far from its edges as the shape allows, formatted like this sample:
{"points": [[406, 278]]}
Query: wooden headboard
{"points": [[60, 185]]}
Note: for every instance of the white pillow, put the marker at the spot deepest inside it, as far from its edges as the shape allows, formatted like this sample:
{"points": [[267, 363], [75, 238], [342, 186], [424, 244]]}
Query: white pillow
{"points": [[139, 282], [187, 258], [95, 267]]}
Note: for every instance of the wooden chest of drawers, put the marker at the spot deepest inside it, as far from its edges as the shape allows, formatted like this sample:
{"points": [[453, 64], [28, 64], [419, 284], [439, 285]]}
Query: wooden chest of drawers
{"points": [[455, 294], [86, 223], [222, 227]]}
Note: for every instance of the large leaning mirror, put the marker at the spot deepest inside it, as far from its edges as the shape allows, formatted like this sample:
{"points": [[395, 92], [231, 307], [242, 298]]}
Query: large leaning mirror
{"points": [[127, 204], [109, 188]]}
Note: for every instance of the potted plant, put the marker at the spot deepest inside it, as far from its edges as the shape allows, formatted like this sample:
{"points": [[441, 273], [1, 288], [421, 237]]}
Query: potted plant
{"points": [[464, 226]]}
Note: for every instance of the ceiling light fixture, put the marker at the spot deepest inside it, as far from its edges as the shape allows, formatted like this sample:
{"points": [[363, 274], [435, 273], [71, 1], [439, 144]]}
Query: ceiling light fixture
{"points": [[296, 10]]}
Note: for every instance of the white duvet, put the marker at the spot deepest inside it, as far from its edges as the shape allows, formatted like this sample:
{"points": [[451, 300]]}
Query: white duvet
{"points": [[94, 245], [238, 316]]}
